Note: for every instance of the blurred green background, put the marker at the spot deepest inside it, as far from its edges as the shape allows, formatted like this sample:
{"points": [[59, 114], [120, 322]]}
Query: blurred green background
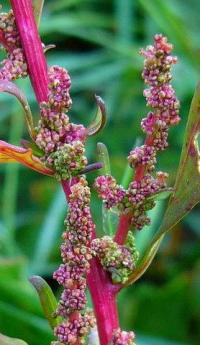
{"points": [[98, 42]]}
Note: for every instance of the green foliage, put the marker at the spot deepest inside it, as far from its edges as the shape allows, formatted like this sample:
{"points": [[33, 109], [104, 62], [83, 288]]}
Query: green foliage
{"points": [[47, 300]]}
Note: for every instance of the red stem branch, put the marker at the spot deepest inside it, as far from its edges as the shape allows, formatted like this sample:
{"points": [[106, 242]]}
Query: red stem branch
{"points": [[125, 219]]}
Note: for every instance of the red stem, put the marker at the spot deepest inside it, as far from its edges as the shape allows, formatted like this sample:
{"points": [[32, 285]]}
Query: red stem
{"points": [[125, 219], [103, 294], [32, 47], [102, 290]]}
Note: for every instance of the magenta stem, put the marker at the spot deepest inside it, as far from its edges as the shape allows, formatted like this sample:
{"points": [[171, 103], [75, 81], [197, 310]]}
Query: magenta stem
{"points": [[103, 292], [32, 47]]}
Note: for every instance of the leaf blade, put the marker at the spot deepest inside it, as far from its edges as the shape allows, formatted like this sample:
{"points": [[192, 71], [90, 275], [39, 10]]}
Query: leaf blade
{"points": [[47, 300]]}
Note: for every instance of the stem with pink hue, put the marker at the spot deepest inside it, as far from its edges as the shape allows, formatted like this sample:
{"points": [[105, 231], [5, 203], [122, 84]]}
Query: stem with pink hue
{"points": [[125, 219], [102, 290], [103, 294], [32, 47]]}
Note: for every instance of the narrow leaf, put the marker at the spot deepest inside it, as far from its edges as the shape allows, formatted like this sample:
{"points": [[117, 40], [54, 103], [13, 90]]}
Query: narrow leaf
{"points": [[4, 340], [103, 157], [11, 88], [109, 217], [37, 9], [161, 195], [11, 153], [47, 300], [100, 119]]}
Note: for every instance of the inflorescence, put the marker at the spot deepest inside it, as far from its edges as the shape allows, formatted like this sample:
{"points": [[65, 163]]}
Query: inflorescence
{"points": [[61, 140], [122, 338], [76, 254], [117, 259], [160, 96], [14, 65]]}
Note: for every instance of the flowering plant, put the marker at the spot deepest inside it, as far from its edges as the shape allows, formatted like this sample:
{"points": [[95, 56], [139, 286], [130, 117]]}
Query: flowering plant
{"points": [[57, 148]]}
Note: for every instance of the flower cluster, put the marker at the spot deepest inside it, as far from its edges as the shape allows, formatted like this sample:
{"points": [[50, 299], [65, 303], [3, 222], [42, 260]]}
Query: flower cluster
{"points": [[79, 325], [160, 95], [109, 191], [122, 338], [14, 65], [61, 140], [135, 200], [117, 259], [76, 254]]}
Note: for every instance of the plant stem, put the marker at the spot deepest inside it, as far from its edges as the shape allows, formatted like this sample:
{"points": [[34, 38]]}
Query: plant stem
{"points": [[125, 219], [32, 47], [102, 290], [103, 294]]}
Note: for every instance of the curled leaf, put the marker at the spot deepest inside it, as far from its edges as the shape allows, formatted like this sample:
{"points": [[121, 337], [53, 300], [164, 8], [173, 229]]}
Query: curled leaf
{"points": [[11, 88], [47, 300], [4, 340], [10, 153], [100, 119], [48, 47]]}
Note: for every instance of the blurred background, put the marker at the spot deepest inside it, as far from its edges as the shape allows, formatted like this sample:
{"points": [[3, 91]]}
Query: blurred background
{"points": [[98, 42]]}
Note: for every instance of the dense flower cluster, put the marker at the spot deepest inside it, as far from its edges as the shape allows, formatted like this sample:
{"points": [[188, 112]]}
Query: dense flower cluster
{"points": [[160, 95], [117, 259], [61, 140], [135, 200], [14, 65], [110, 192], [76, 253], [122, 338]]}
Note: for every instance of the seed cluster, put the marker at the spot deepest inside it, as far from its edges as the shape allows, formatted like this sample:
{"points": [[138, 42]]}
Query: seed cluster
{"points": [[117, 259], [122, 338], [14, 65], [61, 140], [160, 96], [76, 253], [135, 200]]}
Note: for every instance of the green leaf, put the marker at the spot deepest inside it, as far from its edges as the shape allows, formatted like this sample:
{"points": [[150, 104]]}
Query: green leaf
{"points": [[161, 195], [11, 88], [11, 341], [37, 9], [100, 119], [187, 186], [109, 217], [49, 232], [103, 157], [47, 300]]}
